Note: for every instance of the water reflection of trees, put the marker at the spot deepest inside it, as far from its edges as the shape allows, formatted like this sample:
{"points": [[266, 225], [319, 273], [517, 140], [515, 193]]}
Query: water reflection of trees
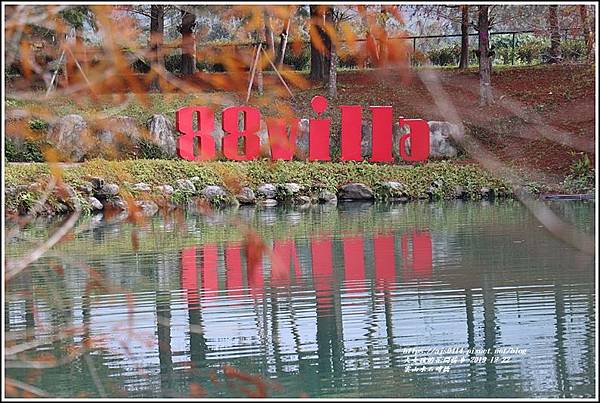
{"points": [[315, 282]]}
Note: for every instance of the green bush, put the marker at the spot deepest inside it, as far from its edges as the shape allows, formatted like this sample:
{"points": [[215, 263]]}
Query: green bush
{"points": [[582, 176], [573, 49], [173, 63], [298, 61], [444, 56], [203, 65], [347, 60], [150, 151], [38, 125], [27, 151], [141, 66], [502, 47], [531, 50]]}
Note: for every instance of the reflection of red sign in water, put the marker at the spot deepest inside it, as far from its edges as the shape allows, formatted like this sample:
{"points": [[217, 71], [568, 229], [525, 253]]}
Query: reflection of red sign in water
{"points": [[284, 255], [415, 263], [283, 145], [189, 271], [420, 265], [322, 269]]}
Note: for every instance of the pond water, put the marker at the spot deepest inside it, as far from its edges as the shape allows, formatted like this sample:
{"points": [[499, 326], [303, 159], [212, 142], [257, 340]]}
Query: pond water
{"points": [[445, 299]]}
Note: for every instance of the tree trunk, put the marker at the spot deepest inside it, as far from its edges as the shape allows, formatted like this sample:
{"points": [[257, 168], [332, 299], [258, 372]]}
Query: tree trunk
{"points": [[333, 59], [319, 46], [260, 87], [283, 41], [157, 26], [188, 43], [554, 34], [269, 35], [464, 43], [485, 86], [589, 37], [332, 81]]}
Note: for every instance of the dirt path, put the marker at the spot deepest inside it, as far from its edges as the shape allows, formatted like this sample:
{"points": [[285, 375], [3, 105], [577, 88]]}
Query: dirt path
{"points": [[543, 116]]}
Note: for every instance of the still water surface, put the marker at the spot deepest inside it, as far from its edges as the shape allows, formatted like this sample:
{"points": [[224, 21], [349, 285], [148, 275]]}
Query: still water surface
{"points": [[407, 300]]}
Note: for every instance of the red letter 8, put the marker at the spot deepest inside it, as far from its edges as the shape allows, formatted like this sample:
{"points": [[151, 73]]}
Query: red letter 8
{"points": [[251, 126], [185, 125]]}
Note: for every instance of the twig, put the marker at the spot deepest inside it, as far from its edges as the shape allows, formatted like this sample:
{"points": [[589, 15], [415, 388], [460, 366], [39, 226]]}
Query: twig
{"points": [[253, 71], [278, 75]]}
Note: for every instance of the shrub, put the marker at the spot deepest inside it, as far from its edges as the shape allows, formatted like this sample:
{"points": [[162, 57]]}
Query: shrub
{"points": [[573, 49], [531, 49], [149, 150], [445, 56], [173, 63], [346, 59], [298, 61], [27, 151], [38, 125], [502, 47], [581, 177], [140, 66], [203, 65]]}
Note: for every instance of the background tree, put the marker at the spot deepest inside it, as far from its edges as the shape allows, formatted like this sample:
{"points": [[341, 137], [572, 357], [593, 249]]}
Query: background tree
{"points": [[464, 38], [333, 58], [320, 45], [588, 35], [554, 34], [284, 36], [157, 27], [269, 36], [485, 85], [188, 43]]}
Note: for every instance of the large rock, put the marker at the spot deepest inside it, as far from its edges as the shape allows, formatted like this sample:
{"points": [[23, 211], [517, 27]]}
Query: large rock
{"points": [[165, 190], [141, 187], [115, 203], [162, 133], [94, 204], [325, 196], [118, 137], [96, 182], [71, 137], [355, 191], [366, 144], [212, 193], [441, 144], [390, 190], [246, 196], [302, 139], [186, 185], [107, 191], [287, 191], [266, 191]]}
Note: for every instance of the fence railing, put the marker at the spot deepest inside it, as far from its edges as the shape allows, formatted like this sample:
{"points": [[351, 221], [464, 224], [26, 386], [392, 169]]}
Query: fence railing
{"points": [[440, 54]]}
